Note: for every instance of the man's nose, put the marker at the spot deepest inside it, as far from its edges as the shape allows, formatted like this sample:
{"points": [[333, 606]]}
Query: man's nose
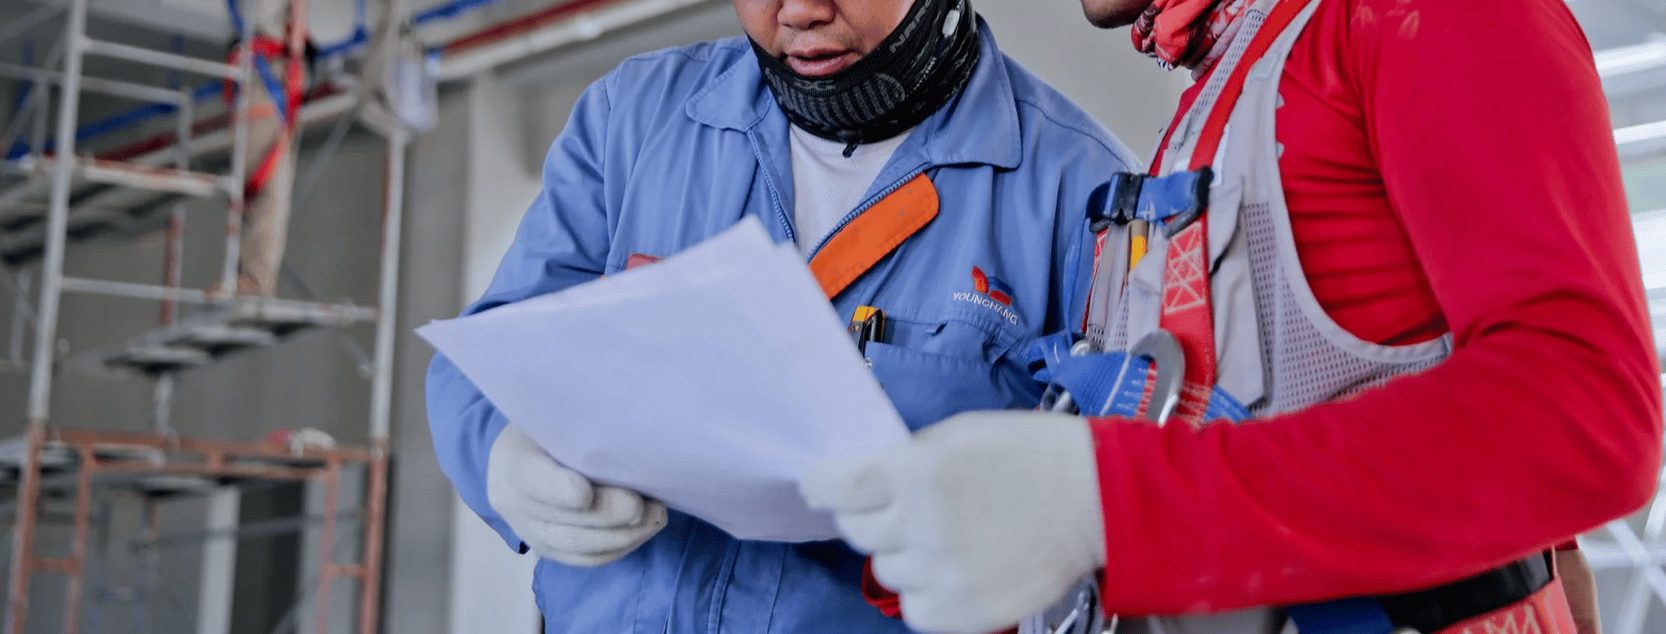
{"points": [[804, 15]]}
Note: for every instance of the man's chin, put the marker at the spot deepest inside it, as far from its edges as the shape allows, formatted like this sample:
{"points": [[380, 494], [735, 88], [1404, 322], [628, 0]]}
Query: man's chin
{"points": [[1113, 17], [1113, 21]]}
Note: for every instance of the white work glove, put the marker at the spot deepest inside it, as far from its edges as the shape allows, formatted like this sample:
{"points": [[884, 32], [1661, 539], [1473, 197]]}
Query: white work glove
{"points": [[978, 521], [560, 514]]}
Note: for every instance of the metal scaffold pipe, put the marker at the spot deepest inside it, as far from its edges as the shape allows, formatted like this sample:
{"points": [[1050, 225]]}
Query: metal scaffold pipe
{"points": [[46, 328]]}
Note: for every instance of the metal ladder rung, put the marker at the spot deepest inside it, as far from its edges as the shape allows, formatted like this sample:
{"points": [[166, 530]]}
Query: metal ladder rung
{"points": [[112, 203], [93, 84], [61, 565], [160, 179], [98, 171], [159, 58], [280, 314], [13, 448]]}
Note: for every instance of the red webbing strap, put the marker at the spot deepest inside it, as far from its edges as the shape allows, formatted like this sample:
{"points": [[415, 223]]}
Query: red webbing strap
{"points": [[1187, 310], [293, 81], [264, 46], [1214, 128], [263, 172], [1100, 237], [268, 47]]}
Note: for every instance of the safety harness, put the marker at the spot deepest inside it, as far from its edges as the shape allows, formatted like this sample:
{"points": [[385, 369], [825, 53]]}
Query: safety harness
{"points": [[1170, 373], [286, 100]]}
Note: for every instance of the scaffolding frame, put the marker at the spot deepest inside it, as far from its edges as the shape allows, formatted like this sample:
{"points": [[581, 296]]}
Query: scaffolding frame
{"points": [[97, 458]]}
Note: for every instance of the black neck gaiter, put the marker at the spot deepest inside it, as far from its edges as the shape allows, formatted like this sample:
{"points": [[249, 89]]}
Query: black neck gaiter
{"points": [[919, 67]]}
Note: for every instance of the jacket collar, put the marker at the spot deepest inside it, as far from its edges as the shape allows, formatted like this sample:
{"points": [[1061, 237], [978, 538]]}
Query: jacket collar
{"points": [[980, 125]]}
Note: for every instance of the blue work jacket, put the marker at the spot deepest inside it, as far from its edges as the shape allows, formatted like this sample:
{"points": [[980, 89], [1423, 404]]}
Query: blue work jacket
{"points": [[673, 147]]}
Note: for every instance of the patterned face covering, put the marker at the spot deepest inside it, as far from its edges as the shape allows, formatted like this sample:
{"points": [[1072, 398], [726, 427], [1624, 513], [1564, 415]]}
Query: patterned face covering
{"points": [[1188, 33], [917, 69]]}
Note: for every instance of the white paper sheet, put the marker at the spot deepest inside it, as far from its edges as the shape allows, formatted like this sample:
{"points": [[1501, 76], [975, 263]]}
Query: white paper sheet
{"points": [[711, 381]]}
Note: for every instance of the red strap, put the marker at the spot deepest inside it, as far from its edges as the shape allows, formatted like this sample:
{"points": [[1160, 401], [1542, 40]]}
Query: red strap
{"points": [[269, 47], [262, 173], [1188, 311], [1214, 128], [266, 47], [877, 595]]}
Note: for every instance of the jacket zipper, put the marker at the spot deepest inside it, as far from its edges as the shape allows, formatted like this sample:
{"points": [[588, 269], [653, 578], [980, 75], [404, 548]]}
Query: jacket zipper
{"points": [[866, 205], [781, 211]]}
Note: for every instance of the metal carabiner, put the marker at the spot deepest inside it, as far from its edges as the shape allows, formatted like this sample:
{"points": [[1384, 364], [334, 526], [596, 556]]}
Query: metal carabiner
{"points": [[1057, 399], [1085, 614], [1164, 351]]}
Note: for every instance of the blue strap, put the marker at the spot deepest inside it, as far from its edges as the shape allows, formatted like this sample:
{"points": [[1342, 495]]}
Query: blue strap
{"points": [[1172, 196], [1114, 201], [1130, 196], [273, 86], [1345, 616], [359, 36], [1048, 352], [1104, 384], [280, 97], [447, 10], [236, 18], [1112, 384], [1109, 383]]}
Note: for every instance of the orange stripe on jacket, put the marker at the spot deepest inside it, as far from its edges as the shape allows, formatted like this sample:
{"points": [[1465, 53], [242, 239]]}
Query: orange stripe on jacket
{"points": [[875, 234]]}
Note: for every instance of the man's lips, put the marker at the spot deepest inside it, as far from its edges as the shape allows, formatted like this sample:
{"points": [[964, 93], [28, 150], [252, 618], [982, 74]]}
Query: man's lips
{"points": [[820, 62]]}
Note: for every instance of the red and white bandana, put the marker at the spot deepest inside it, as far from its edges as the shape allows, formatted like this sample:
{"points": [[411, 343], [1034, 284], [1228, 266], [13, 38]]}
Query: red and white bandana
{"points": [[1187, 32]]}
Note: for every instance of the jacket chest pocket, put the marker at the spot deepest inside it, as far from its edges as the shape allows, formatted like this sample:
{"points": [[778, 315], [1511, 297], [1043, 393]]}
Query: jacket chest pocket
{"points": [[934, 369]]}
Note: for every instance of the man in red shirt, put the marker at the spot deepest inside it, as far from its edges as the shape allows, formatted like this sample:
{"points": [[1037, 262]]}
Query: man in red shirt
{"points": [[1414, 267]]}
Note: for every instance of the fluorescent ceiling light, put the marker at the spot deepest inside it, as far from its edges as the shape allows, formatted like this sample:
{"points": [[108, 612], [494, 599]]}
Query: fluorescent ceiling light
{"points": [[1631, 59], [1650, 229], [1640, 133]]}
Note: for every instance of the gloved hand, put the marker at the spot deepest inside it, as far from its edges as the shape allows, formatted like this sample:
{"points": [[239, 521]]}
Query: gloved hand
{"points": [[560, 514], [978, 521]]}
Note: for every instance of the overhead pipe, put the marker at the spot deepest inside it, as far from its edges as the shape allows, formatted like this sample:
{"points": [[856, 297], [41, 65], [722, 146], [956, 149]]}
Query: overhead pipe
{"points": [[561, 25], [481, 50], [515, 26]]}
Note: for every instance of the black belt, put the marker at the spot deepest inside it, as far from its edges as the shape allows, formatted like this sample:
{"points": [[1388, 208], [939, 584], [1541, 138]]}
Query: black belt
{"points": [[1438, 608]]}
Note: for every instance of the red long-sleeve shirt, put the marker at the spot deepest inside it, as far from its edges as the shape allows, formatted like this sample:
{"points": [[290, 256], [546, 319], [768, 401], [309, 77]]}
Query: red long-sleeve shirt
{"points": [[1449, 166]]}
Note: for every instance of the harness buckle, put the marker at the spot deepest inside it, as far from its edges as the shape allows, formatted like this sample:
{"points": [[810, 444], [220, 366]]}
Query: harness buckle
{"points": [[1116, 201], [1179, 200]]}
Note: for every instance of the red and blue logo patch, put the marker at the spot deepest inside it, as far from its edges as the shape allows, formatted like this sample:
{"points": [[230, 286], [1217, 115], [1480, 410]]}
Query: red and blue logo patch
{"points": [[991, 286]]}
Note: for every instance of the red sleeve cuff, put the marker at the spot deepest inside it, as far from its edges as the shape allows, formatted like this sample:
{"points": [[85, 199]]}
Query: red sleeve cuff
{"points": [[877, 595], [1106, 452]]}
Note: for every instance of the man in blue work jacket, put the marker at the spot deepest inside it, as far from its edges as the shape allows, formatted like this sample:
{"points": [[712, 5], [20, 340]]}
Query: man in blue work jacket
{"points": [[919, 170]]}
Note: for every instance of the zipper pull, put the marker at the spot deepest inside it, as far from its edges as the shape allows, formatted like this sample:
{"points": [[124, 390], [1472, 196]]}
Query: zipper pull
{"points": [[851, 138]]}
